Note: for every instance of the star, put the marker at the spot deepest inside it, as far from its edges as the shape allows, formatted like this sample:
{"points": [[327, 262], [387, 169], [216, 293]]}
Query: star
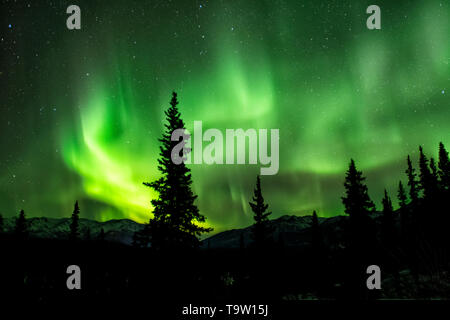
{"points": [[10, 26], [443, 91]]}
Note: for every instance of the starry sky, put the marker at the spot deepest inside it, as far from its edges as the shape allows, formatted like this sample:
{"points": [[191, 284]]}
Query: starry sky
{"points": [[82, 110]]}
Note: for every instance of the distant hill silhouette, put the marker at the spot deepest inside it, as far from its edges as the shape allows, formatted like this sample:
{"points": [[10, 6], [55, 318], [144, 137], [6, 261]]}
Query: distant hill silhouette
{"points": [[120, 230], [295, 232]]}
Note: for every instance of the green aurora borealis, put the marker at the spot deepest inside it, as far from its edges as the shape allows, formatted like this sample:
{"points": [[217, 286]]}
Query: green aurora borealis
{"points": [[82, 111]]}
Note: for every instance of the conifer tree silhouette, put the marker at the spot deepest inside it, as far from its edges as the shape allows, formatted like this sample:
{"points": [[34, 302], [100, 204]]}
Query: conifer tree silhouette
{"points": [[356, 201], [414, 188], [435, 186], [319, 254], [21, 228], [434, 172], [404, 214], [388, 223], [401, 196], [361, 232], [444, 168], [444, 194], [261, 232], [74, 224], [176, 217], [317, 237], [412, 182], [425, 177], [428, 208]]}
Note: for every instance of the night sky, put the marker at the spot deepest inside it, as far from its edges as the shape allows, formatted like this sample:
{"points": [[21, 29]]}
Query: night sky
{"points": [[82, 110]]}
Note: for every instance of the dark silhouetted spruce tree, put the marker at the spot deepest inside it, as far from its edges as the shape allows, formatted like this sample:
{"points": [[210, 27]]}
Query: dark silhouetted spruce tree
{"points": [[434, 172], [444, 168], [434, 181], [360, 233], [318, 254], [414, 187], [432, 222], [401, 196], [176, 217], [317, 237], [261, 231], [388, 235], [425, 177], [74, 224], [357, 202], [444, 202], [412, 182], [21, 229], [404, 213]]}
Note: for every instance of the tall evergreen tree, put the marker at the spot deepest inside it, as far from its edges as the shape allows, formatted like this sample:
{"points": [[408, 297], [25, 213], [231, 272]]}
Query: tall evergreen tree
{"points": [[176, 217], [404, 217], [261, 232], [387, 203], [434, 171], [361, 233], [401, 196], [444, 167], [356, 201], [425, 177], [317, 237], [431, 225], [435, 183], [21, 229], [388, 222], [318, 255], [74, 224], [444, 202], [412, 182]]}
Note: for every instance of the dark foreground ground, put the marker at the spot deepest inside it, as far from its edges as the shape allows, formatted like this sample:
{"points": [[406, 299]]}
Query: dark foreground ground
{"points": [[287, 280]]}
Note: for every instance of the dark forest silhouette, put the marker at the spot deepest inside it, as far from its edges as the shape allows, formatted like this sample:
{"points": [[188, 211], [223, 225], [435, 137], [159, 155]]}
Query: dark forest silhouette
{"points": [[175, 216], [166, 262], [261, 232]]}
